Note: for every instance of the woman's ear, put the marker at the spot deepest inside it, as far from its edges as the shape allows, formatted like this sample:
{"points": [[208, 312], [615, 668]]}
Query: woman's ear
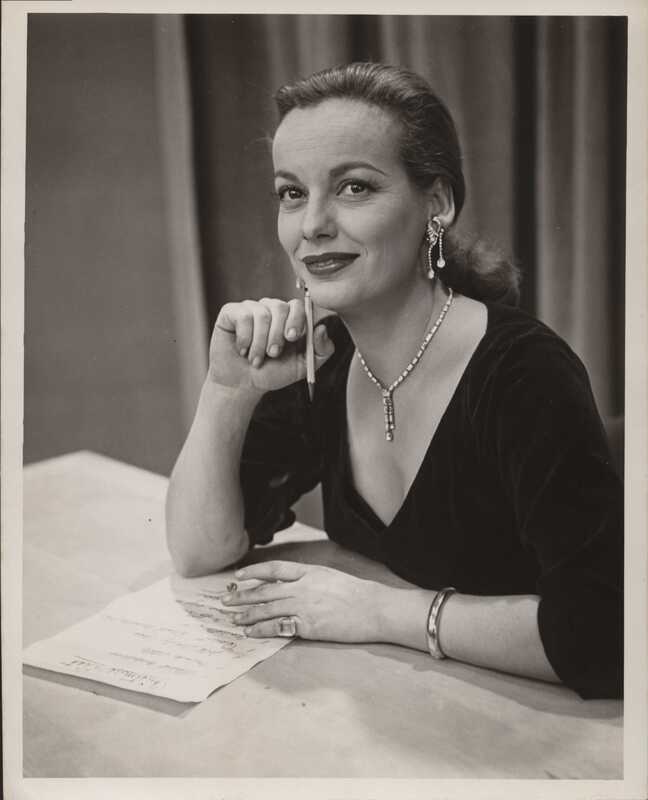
{"points": [[441, 201]]}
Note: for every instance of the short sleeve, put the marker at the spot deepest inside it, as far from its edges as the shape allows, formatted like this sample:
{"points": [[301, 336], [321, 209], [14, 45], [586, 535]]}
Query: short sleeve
{"points": [[567, 501], [279, 462]]}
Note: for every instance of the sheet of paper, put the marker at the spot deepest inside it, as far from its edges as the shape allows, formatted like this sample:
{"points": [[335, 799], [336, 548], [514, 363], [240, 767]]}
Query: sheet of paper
{"points": [[172, 639]]}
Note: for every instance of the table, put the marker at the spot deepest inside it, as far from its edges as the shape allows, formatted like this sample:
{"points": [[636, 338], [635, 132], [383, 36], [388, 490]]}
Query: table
{"points": [[94, 529]]}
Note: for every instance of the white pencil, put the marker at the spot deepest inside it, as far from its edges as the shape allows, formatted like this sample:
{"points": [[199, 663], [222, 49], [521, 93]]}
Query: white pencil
{"points": [[310, 346]]}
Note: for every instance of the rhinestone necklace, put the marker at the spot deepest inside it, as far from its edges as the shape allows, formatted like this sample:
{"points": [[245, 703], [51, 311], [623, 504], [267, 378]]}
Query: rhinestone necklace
{"points": [[388, 391]]}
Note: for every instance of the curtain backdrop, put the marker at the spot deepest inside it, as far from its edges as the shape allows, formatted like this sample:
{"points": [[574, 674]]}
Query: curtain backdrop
{"points": [[540, 108]]}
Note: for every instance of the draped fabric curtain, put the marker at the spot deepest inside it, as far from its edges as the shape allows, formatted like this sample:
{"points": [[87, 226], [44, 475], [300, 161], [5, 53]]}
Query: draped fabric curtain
{"points": [[174, 108], [580, 184], [540, 108]]}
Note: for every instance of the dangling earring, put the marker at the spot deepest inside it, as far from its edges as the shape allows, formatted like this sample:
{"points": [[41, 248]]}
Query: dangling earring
{"points": [[434, 234], [299, 284], [441, 260]]}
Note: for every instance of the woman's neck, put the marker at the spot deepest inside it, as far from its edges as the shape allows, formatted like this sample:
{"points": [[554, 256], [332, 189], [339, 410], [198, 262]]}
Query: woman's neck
{"points": [[389, 333]]}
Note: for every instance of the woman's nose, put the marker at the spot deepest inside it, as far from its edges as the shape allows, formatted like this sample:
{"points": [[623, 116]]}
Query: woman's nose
{"points": [[318, 219]]}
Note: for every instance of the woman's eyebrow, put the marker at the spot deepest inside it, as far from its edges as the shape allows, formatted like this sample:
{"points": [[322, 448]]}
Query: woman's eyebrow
{"points": [[347, 165], [340, 169], [280, 173]]}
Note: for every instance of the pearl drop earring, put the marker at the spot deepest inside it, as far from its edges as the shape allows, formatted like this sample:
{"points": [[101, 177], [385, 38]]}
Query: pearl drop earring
{"points": [[434, 234]]}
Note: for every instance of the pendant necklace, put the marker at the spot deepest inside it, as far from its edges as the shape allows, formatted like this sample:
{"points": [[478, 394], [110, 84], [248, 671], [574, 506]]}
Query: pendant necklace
{"points": [[388, 391]]}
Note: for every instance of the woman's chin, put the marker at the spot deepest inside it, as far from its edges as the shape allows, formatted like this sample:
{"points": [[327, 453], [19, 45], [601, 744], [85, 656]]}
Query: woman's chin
{"points": [[335, 298], [350, 297]]}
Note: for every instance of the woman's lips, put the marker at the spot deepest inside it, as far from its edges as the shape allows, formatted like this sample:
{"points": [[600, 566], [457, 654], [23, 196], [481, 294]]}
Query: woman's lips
{"points": [[328, 263]]}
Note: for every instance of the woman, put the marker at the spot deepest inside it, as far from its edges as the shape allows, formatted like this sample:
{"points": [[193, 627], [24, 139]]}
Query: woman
{"points": [[456, 439]]}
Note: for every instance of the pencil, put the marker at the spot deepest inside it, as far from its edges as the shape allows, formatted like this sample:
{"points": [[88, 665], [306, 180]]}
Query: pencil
{"points": [[310, 346]]}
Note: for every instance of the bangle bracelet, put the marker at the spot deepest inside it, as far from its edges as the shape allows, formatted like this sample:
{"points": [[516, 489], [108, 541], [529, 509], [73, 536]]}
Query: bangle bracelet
{"points": [[432, 628]]}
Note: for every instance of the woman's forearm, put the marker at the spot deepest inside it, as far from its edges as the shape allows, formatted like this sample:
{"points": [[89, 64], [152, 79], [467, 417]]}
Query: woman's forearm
{"points": [[496, 632], [204, 507]]}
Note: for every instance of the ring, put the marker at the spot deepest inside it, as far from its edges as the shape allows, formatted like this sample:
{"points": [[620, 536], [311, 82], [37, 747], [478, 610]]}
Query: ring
{"points": [[287, 627]]}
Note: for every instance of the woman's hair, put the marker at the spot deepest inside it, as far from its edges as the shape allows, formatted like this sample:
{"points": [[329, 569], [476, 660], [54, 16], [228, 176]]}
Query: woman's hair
{"points": [[429, 149]]}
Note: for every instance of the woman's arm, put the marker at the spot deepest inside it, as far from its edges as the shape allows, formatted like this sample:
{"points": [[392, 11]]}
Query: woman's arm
{"points": [[327, 604], [254, 349], [495, 632], [204, 506]]}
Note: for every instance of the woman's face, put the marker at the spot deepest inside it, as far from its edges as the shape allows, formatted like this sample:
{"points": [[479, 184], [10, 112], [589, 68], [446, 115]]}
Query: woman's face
{"points": [[350, 219]]}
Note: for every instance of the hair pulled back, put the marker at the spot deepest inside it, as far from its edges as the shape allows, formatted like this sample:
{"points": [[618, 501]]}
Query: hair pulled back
{"points": [[429, 149]]}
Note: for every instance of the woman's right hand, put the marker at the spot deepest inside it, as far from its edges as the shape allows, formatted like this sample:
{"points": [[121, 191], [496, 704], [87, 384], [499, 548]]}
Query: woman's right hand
{"points": [[260, 345]]}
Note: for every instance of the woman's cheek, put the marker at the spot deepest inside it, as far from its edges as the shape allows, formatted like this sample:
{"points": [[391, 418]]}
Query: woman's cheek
{"points": [[287, 227]]}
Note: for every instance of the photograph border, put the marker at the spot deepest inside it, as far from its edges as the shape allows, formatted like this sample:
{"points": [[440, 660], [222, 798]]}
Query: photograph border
{"points": [[635, 782]]}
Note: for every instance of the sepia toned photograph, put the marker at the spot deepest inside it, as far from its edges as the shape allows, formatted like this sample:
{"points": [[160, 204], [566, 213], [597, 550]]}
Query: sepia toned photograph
{"points": [[325, 390]]}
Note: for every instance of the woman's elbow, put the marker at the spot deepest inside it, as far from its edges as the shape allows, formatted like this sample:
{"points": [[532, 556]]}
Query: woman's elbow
{"points": [[188, 567], [191, 561]]}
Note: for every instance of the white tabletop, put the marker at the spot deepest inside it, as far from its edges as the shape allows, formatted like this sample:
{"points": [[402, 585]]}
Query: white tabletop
{"points": [[94, 529]]}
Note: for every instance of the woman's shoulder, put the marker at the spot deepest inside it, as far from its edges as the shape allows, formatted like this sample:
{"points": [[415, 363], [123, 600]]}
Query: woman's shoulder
{"points": [[522, 363], [515, 338], [515, 322]]}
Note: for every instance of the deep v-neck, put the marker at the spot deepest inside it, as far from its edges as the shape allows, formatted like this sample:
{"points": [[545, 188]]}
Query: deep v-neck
{"points": [[355, 498]]}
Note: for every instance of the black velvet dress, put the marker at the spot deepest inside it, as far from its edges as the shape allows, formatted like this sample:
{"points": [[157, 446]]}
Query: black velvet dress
{"points": [[516, 493]]}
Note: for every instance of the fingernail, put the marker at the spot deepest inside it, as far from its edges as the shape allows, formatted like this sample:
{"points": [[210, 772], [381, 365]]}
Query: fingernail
{"points": [[256, 361], [291, 334], [226, 598], [243, 351], [273, 352]]}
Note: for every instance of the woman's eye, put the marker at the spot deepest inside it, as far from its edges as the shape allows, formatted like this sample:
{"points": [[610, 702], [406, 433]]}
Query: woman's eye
{"points": [[289, 195], [354, 188]]}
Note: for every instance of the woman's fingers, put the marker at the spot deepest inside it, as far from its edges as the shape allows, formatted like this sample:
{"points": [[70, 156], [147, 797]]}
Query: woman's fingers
{"points": [[237, 318], [273, 571], [244, 332], [226, 319], [261, 319], [323, 346], [279, 313], [263, 328], [269, 628], [249, 615], [295, 321], [263, 593]]}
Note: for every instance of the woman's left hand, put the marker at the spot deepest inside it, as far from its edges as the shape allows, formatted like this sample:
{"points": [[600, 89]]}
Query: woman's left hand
{"points": [[325, 603]]}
